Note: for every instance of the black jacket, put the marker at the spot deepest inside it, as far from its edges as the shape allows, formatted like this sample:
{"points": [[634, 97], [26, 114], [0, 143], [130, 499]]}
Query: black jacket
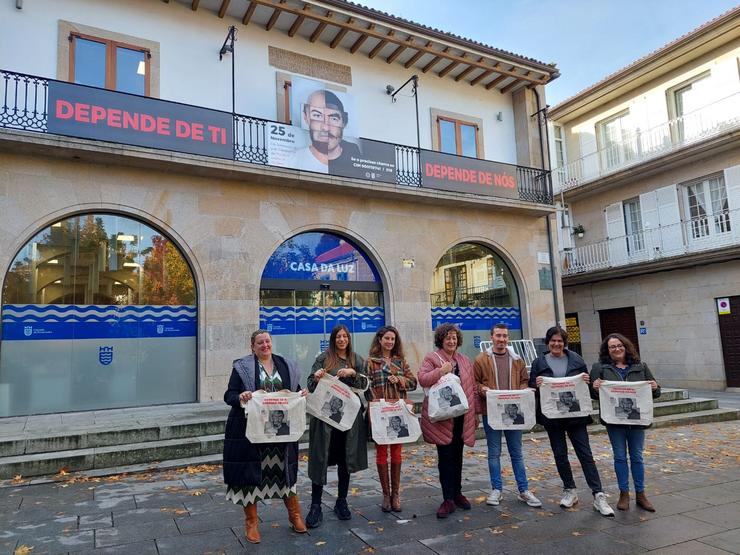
{"points": [[242, 458], [576, 365]]}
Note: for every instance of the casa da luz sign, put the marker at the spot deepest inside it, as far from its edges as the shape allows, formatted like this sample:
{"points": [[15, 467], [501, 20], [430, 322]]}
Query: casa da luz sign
{"points": [[103, 115]]}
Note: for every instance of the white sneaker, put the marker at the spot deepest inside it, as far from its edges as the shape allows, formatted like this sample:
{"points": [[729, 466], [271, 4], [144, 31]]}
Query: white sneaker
{"points": [[601, 505], [570, 498], [529, 498], [494, 498]]}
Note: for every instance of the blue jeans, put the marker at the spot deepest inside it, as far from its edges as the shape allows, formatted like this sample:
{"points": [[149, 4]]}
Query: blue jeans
{"points": [[623, 437], [514, 445]]}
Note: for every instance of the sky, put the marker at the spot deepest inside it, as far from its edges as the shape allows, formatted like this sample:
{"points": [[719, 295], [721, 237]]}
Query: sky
{"points": [[587, 39]]}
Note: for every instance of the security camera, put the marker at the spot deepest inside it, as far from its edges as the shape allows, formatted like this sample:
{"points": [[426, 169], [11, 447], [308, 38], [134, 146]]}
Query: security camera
{"points": [[389, 89]]}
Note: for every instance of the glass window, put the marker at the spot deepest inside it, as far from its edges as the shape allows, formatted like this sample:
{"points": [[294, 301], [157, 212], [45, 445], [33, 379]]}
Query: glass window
{"points": [[109, 64], [473, 288], [98, 311], [709, 211], [614, 136], [457, 137], [633, 225], [559, 138]]}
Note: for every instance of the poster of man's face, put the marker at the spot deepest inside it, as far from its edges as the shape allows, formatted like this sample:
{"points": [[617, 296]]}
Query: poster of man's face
{"points": [[447, 397], [397, 427], [512, 414], [333, 407], [567, 402], [277, 423], [627, 409]]}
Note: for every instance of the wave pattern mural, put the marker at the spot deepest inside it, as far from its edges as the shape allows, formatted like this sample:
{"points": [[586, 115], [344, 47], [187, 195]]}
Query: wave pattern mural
{"points": [[301, 320], [477, 318]]}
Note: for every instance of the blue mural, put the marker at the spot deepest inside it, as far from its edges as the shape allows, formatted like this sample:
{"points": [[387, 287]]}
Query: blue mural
{"points": [[303, 320], [319, 256], [477, 318]]}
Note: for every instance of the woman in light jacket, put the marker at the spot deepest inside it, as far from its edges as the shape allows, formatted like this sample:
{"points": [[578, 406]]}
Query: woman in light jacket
{"points": [[250, 470], [390, 379], [452, 434], [619, 361], [327, 445]]}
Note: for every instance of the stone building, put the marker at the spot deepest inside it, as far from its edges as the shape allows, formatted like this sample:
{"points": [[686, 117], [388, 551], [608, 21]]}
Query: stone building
{"points": [[151, 219], [647, 174]]}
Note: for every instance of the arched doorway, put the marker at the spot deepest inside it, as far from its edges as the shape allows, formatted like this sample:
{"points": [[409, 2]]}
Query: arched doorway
{"points": [[474, 288], [98, 311], [312, 282]]}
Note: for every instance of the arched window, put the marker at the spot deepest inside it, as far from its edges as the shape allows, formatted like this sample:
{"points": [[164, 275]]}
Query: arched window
{"points": [[311, 283], [473, 287], [98, 311]]}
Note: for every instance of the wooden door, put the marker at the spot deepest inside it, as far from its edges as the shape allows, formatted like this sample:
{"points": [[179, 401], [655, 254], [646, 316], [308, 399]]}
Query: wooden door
{"points": [[729, 332], [620, 320]]}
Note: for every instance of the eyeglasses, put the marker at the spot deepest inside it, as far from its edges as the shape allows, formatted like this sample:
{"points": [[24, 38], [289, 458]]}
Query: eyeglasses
{"points": [[616, 347]]}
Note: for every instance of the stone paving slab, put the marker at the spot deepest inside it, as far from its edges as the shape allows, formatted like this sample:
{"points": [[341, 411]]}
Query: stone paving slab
{"points": [[691, 478]]}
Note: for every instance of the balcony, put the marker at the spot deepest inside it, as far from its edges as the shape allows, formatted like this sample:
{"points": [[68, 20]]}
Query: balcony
{"points": [[690, 237], [25, 107], [641, 146]]}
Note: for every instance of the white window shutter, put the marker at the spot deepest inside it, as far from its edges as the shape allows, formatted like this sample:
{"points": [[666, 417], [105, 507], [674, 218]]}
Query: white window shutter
{"points": [[669, 219], [564, 228], [650, 223], [616, 235], [732, 185]]}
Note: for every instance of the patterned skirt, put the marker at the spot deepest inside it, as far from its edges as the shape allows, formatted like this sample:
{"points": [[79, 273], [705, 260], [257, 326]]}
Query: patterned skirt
{"points": [[272, 486]]}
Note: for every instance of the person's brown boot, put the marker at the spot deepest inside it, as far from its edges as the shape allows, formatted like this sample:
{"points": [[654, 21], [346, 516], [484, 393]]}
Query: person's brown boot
{"points": [[396, 487], [385, 485], [624, 501], [642, 501], [250, 523], [294, 514]]}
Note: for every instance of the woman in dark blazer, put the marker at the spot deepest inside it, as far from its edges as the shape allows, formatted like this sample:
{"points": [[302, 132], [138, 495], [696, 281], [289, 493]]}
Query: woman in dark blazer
{"points": [[559, 362], [250, 471]]}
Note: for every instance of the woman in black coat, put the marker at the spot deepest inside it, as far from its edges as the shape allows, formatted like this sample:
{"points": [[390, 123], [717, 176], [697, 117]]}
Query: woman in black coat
{"points": [[559, 362], [250, 470]]}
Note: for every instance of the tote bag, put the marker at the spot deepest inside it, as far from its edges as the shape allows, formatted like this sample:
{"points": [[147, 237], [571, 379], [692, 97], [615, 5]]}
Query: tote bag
{"points": [[565, 397], [446, 399], [393, 422], [334, 402], [511, 409], [275, 417], [626, 403]]}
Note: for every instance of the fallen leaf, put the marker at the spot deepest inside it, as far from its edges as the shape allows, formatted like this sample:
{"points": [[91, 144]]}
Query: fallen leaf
{"points": [[23, 550], [275, 525], [497, 531], [197, 492], [320, 543], [402, 521], [17, 479], [576, 533]]}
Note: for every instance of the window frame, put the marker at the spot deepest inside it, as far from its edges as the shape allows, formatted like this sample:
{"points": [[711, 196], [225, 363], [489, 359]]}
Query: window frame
{"points": [[677, 130], [559, 144], [696, 229], [110, 59], [622, 152], [458, 122]]}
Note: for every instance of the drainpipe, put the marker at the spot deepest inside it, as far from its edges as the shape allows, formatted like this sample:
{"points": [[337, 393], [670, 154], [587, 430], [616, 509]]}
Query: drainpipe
{"points": [[545, 167]]}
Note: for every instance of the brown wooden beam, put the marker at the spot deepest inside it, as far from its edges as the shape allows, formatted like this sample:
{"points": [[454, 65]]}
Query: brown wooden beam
{"points": [[297, 23], [397, 52], [320, 29], [362, 38], [481, 77], [371, 33], [496, 81], [415, 58], [512, 85], [460, 76], [340, 34], [378, 47], [224, 7], [249, 13], [194, 5], [449, 67], [274, 17], [434, 61]]}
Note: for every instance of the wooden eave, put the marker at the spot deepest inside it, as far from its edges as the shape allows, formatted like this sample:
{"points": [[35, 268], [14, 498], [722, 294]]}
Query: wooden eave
{"points": [[354, 29]]}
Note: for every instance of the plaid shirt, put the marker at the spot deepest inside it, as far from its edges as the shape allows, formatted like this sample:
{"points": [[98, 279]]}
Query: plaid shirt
{"points": [[378, 370]]}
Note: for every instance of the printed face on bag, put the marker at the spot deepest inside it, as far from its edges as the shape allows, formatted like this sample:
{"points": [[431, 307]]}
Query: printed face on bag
{"points": [[447, 398], [626, 409], [567, 402], [512, 414], [333, 408]]}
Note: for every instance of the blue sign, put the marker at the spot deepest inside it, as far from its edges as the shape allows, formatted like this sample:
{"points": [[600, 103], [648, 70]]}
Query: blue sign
{"points": [[105, 355], [643, 331], [477, 318], [319, 256], [476, 341]]}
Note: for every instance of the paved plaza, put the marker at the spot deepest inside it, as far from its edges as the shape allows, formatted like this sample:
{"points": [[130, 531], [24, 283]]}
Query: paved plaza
{"points": [[693, 478]]}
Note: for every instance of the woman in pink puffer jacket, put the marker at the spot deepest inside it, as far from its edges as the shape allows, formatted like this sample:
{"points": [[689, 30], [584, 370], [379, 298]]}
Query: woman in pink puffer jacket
{"points": [[449, 435]]}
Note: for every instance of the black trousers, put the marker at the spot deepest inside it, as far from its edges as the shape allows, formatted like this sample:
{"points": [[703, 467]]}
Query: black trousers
{"points": [[579, 439], [450, 462], [338, 456]]}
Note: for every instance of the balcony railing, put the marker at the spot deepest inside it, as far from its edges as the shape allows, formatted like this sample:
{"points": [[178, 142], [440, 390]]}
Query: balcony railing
{"points": [[696, 235], [25, 107], [481, 295], [640, 146]]}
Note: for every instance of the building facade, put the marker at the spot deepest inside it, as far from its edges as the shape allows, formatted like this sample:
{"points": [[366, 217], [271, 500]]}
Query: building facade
{"points": [[168, 185], [647, 179]]}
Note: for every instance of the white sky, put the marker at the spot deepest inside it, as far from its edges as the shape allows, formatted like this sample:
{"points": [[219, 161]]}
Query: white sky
{"points": [[587, 39]]}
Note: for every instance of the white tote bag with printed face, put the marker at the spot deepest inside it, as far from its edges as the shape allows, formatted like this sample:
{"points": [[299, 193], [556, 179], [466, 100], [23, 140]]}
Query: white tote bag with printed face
{"points": [[447, 399], [334, 403], [393, 422], [275, 417], [565, 397], [511, 410], [626, 403]]}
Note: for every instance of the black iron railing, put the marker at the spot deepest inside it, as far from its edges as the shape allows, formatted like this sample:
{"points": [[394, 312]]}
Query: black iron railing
{"points": [[25, 107]]}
